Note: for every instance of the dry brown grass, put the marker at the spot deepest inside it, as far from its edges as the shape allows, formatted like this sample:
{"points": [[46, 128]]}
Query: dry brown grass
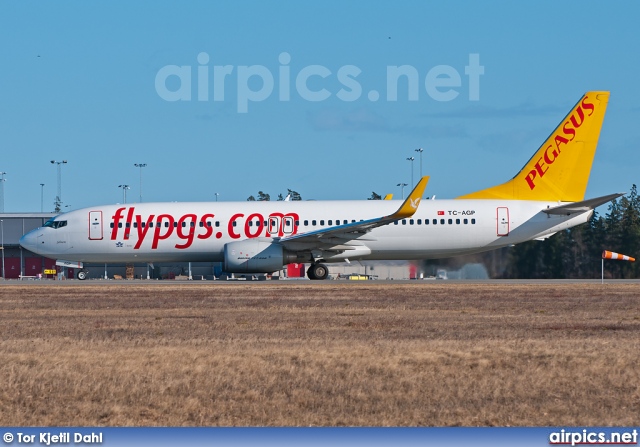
{"points": [[323, 354]]}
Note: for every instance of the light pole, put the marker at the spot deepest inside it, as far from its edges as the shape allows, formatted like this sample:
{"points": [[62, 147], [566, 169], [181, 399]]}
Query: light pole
{"points": [[402, 185], [2, 230], [124, 192], [42, 197], [2, 180], [421, 151], [58, 201], [217, 194], [411, 160], [140, 165]]}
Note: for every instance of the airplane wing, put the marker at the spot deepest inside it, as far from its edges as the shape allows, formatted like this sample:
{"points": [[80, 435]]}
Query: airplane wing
{"points": [[581, 207], [334, 237]]}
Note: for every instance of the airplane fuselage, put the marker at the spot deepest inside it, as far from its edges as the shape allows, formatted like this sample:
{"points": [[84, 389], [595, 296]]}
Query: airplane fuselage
{"points": [[158, 232]]}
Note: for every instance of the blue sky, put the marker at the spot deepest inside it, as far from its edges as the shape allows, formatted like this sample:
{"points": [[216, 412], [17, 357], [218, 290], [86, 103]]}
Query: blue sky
{"points": [[78, 82]]}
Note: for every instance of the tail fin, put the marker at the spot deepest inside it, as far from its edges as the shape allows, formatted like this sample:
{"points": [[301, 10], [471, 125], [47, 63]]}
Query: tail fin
{"points": [[559, 170]]}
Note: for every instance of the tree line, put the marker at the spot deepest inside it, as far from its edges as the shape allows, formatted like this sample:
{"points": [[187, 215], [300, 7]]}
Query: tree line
{"points": [[577, 252], [264, 197]]}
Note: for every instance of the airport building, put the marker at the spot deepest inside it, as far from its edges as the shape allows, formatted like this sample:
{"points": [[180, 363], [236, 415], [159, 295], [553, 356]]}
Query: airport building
{"points": [[17, 261]]}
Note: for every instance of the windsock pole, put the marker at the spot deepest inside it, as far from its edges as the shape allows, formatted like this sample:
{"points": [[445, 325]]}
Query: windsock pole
{"points": [[606, 254]]}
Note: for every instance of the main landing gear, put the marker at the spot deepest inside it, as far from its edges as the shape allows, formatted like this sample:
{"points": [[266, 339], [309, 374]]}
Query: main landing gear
{"points": [[317, 271], [82, 275]]}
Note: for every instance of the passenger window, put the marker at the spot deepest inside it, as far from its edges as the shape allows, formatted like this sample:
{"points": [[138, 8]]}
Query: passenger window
{"points": [[426, 221], [457, 221], [466, 221], [217, 223], [450, 221], [250, 223], [201, 224], [442, 221], [404, 221], [306, 223], [410, 221], [395, 222], [184, 224], [235, 223], [322, 223], [473, 221], [297, 223], [175, 224], [119, 224], [110, 225], [419, 221], [313, 222], [150, 224], [135, 225], [435, 221]]}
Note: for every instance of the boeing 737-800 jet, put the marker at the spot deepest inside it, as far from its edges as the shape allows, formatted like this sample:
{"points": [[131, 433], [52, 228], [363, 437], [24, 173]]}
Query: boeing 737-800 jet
{"points": [[545, 197]]}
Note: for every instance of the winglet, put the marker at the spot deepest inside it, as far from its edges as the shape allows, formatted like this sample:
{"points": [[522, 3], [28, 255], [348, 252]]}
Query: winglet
{"points": [[410, 205]]}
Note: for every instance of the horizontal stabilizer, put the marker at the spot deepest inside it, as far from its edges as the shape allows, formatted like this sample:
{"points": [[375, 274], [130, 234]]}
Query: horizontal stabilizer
{"points": [[545, 237], [581, 207]]}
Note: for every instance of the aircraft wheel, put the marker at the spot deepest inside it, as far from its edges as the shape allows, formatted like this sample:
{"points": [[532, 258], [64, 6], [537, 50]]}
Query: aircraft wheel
{"points": [[81, 275], [320, 271], [310, 273]]}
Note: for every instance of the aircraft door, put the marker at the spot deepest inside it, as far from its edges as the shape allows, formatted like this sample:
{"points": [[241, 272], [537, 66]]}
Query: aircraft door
{"points": [[95, 225], [287, 224], [503, 221], [274, 225]]}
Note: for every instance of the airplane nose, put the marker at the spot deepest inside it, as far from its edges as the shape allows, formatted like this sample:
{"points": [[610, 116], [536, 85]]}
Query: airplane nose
{"points": [[28, 241]]}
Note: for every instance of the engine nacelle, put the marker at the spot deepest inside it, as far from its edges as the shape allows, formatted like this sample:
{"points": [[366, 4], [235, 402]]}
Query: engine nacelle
{"points": [[259, 255]]}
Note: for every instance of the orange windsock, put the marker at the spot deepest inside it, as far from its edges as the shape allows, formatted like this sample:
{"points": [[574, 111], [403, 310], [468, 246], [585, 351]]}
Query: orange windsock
{"points": [[613, 255]]}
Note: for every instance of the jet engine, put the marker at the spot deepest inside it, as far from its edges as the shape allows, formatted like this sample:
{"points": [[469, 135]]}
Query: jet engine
{"points": [[259, 255]]}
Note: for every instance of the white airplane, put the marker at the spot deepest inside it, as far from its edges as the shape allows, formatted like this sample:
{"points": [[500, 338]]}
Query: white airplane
{"points": [[545, 197]]}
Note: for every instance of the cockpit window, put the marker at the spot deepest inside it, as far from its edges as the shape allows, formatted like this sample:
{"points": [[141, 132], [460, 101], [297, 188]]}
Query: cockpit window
{"points": [[56, 223]]}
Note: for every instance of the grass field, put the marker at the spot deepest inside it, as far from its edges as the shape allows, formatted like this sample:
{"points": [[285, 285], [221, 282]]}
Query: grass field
{"points": [[330, 354]]}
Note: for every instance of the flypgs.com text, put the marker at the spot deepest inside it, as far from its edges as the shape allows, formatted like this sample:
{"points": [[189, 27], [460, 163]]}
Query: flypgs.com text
{"points": [[256, 83]]}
